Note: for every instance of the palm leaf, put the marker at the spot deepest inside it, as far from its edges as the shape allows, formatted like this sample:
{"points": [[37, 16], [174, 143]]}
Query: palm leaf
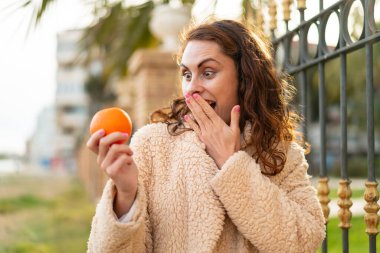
{"points": [[39, 10], [43, 8], [118, 34]]}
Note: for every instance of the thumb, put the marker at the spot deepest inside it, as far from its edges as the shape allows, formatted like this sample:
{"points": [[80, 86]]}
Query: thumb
{"points": [[235, 117]]}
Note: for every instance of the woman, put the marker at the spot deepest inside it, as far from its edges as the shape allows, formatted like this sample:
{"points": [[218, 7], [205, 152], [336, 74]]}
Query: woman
{"points": [[220, 170]]}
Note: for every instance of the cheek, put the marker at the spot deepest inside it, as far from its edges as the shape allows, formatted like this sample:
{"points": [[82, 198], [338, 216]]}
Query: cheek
{"points": [[227, 91]]}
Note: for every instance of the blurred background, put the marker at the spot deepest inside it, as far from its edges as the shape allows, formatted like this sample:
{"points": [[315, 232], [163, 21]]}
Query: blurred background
{"points": [[63, 60]]}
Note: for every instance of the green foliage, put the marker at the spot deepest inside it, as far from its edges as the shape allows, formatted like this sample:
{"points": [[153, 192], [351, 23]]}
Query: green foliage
{"points": [[26, 247], [38, 10], [357, 167], [112, 40], [3, 156], [188, 2], [117, 34], [60, 227], [182, 1], [26, 201], [95, 86]]}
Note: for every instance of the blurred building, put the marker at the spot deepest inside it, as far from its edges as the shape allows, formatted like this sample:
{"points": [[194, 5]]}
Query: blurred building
{"points": [[71, 98], [41, 146]]}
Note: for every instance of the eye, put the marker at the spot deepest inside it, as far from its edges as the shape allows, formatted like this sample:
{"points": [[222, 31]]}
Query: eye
{"points": [[209, 74], [186, 75]]}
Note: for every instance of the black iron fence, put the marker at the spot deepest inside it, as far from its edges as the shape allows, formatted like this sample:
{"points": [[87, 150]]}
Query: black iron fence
{"points": [[295, 54]]}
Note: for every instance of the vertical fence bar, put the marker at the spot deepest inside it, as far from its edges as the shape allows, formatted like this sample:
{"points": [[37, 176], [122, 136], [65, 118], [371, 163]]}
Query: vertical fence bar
{"points": [[303, 73], [322, 107], [322, 122], [370, 103], [371, 194], [344, 190]]}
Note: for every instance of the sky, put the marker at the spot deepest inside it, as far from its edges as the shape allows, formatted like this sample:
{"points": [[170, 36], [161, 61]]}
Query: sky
{"points": [[28, 67], [28, 63]]}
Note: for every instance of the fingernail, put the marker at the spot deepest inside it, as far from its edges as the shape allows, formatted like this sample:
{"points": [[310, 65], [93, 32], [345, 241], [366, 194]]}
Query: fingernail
{"points": [[186, 118], [101, 132], [237, 108], [125, 134], [187, 101], [187, 95], [196, 96]]}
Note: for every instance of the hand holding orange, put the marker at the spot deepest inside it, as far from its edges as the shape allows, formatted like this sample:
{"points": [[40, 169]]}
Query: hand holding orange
{"points": [[111, 120], [117, 162]]}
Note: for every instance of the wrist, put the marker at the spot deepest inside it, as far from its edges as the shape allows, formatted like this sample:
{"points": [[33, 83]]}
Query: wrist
{"points": [[123, 202], [220, 162], [126, 195]]}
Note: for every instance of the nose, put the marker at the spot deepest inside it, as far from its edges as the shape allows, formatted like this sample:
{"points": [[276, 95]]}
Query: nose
{"points": [[195, 86]]}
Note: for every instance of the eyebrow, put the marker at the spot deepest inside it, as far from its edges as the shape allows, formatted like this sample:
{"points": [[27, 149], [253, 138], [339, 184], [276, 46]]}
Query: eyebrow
{"points": [[202, 62]]}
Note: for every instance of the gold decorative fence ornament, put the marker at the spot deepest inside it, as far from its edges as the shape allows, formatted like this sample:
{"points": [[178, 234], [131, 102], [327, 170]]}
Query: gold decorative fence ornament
{"points": [[323, 195], [301, 4], [371, 195], [344, 202], [273, 15], [260, 17], [286, 9]]}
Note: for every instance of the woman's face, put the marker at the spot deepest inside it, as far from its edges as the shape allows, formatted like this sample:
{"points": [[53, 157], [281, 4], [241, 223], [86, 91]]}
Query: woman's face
{"points": [[206, 70]]}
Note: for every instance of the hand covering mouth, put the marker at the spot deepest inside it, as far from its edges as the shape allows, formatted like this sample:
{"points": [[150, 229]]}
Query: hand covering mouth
{"points": [[211, 103]]}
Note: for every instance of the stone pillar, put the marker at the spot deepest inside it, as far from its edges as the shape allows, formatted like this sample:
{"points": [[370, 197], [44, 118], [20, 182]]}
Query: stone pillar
{"points": [[153, 82]]}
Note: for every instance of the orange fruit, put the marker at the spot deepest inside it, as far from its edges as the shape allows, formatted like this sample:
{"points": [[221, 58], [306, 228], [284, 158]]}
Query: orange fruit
{"points": [[111, 120]]}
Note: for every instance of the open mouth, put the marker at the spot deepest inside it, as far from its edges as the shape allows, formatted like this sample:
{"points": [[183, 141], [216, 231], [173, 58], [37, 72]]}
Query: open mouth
{"points": [[211, 103]]}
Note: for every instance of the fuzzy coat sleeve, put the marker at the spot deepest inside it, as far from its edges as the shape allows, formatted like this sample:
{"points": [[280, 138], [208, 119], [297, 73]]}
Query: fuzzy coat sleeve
{"points": [[108, 235], [282, 217]]}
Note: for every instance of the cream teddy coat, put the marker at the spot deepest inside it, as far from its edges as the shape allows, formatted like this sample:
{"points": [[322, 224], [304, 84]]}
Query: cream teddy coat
{"points": [[185, 203]]}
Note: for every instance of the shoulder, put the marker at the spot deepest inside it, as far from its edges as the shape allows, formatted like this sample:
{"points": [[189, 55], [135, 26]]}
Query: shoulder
{"points": [[295, 155], [152, 130], [294, 151], [150, 134], [295, 161]]}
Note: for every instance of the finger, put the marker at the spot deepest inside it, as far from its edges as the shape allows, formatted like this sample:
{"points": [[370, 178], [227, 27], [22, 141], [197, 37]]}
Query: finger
{"points": [[115, 168], [114, 152], [235, 118], [208, 110], [107, 141], [198, 113], [93, 141], [192, 124]]}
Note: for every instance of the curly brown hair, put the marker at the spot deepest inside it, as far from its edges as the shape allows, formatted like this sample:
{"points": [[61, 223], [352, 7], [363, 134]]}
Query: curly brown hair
{"points": [[263, 94]]}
